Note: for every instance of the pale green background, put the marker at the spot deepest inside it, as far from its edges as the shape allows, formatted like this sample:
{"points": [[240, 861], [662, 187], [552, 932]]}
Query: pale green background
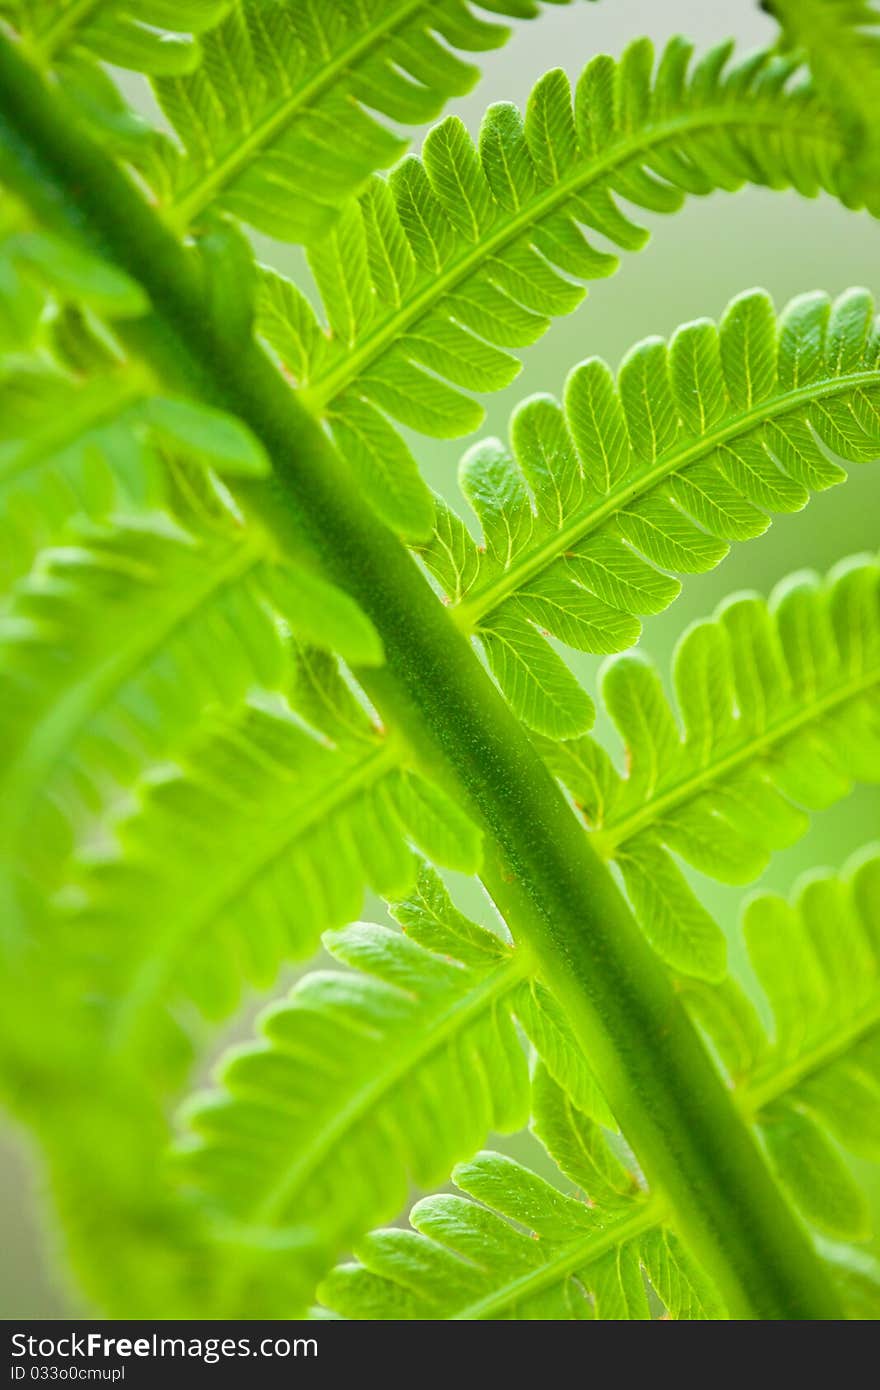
{"points": [[696, 261]]}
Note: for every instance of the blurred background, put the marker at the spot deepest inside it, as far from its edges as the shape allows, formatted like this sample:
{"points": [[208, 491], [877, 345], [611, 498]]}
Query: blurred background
{"points": [[696, 261]]}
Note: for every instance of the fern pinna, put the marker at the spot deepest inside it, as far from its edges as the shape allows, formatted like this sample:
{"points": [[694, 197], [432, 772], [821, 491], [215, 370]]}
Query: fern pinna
{"points": [[253, 668]]}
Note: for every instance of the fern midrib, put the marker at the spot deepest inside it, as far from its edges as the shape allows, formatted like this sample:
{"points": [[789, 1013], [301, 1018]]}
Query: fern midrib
{"points": [[480, 601], [321, 392], [101, 405], [152, 977], [570, 1260], [193, 199], [458, 1015], [608, 840], [61, 725], [772, 1081]]}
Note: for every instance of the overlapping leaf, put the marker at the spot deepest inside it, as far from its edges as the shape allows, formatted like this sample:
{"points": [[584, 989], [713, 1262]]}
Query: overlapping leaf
{"points": [[694, 445], [365, 1081], [263, 803], [68, 450], [111, 649], [153, 36], [463, 254], [778, 714], [813, 1085], [260, 119], [257, 91], [101, 445], [523, 1249], [839, 40]]}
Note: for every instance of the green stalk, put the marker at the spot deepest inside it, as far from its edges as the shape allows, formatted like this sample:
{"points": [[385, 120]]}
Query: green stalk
{"points": [[555, 892]]}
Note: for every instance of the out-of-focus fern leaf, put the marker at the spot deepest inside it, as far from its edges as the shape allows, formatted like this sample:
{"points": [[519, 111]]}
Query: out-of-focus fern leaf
{"points": [[68, 449], [152, 36], [464, 254], [778, 714], [813, 1084], [320, 1126], [693, 446], [98, 446], [521, 1248], [87, 432], [816, 1086], [110, 650], [76, 274], [857, 1277], [839, 40], [264, 804]]}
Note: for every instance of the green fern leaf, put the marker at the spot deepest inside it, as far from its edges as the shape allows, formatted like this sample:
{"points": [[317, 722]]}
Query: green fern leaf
{"points": [[779, 708], [85, 433], [857, 1276], [465, 254], [818, 961], [300, 1162], [521, 1248], [259, 120], [126, 33], [70, 451], [111, 649], [300, 1159], [813, 1085], [691, 448], [265, 805]]}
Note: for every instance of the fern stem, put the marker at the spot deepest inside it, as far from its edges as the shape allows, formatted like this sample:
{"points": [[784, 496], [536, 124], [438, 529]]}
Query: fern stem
{"points": [[561, 901]]}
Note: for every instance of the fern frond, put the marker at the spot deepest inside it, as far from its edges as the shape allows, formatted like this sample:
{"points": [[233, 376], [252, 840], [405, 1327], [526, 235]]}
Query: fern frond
{"points": [[88, 433], [840, 42], [779, 713], [462, 254], [319, 1128], [264, 803], [522, 1248], [69, 450], [694, 445], [813, 1087], [151, 36], [278, 121], [111, 649], [97, 446]]}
